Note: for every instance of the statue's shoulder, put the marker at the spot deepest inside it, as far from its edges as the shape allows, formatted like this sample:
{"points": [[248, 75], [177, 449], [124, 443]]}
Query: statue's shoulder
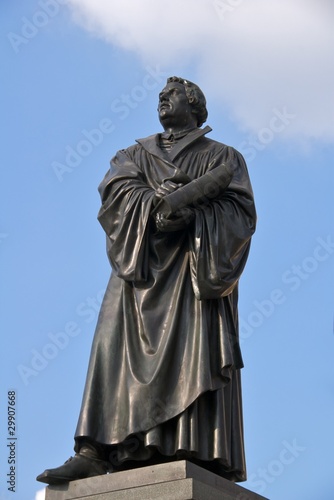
{"points": [[211, 144], [221, 151], [220, 146], [144, 142], [130, 149]]}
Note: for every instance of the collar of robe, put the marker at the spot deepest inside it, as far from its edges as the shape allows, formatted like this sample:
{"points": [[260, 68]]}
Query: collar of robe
{"points": [[151, 143]]}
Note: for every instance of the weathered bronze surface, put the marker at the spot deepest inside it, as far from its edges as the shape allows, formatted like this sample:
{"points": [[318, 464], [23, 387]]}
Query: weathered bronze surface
{"points": [[164, 375]]}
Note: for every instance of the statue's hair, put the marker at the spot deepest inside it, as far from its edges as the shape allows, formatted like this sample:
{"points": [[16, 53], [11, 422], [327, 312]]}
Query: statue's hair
{"points": [[195, 97]]}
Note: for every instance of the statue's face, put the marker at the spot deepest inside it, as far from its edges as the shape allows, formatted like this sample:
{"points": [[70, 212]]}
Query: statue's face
{"points": [[174, 108]]}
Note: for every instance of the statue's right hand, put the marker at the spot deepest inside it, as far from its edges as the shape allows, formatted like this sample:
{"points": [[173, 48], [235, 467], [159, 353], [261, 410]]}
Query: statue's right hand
{"points": [[166, 188]]}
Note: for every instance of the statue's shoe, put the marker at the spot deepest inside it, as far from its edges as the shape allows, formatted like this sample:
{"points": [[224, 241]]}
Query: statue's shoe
{"points": [[77, 467]]}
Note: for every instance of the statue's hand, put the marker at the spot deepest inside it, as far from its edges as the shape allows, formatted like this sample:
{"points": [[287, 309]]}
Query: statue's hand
{"points": [[180, 220], [166, 188]]}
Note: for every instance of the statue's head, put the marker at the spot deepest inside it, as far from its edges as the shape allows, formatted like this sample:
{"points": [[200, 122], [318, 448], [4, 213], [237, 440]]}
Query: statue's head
{"points": [[194, 99]]}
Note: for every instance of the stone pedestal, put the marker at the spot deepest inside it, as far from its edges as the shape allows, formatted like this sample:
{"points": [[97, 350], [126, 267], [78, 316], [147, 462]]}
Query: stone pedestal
{"points": [[179, 480]]}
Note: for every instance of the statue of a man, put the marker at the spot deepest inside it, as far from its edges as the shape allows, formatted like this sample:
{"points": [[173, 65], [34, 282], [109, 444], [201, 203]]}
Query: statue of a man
{"points": [[163, 381]]}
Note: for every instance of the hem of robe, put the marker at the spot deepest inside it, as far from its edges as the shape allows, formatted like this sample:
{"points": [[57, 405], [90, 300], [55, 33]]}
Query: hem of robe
{"points": [[208, 433]]}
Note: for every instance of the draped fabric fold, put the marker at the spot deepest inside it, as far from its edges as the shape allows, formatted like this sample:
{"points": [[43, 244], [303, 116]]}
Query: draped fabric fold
{"points": [[165, 361], [124, 216]]}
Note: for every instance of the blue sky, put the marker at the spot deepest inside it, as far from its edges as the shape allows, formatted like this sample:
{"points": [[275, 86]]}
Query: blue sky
{"points": [[80, 81]]}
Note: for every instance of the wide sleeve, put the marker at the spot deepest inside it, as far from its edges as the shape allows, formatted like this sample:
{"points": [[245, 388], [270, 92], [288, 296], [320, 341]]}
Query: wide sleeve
{"points": [[124, 216], [220, 239]]}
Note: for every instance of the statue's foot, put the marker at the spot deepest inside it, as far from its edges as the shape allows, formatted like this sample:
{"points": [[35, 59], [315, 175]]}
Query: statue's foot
{"points": [[77, 467]]}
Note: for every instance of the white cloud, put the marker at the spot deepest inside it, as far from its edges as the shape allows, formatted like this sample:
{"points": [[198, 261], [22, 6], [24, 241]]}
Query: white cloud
{"points": [[253, 55], [40, 494]]}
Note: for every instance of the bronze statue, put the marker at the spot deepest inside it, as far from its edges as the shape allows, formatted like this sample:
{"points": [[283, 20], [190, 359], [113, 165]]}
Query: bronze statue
{"points": [[163, 381]]}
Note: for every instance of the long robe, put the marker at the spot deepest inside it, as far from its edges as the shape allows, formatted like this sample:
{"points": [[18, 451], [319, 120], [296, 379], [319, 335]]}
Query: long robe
{"points": [[164, 371]]}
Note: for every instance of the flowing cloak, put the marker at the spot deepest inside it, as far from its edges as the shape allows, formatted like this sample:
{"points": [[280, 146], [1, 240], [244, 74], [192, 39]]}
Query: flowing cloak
{"points": [[164, 371]]}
